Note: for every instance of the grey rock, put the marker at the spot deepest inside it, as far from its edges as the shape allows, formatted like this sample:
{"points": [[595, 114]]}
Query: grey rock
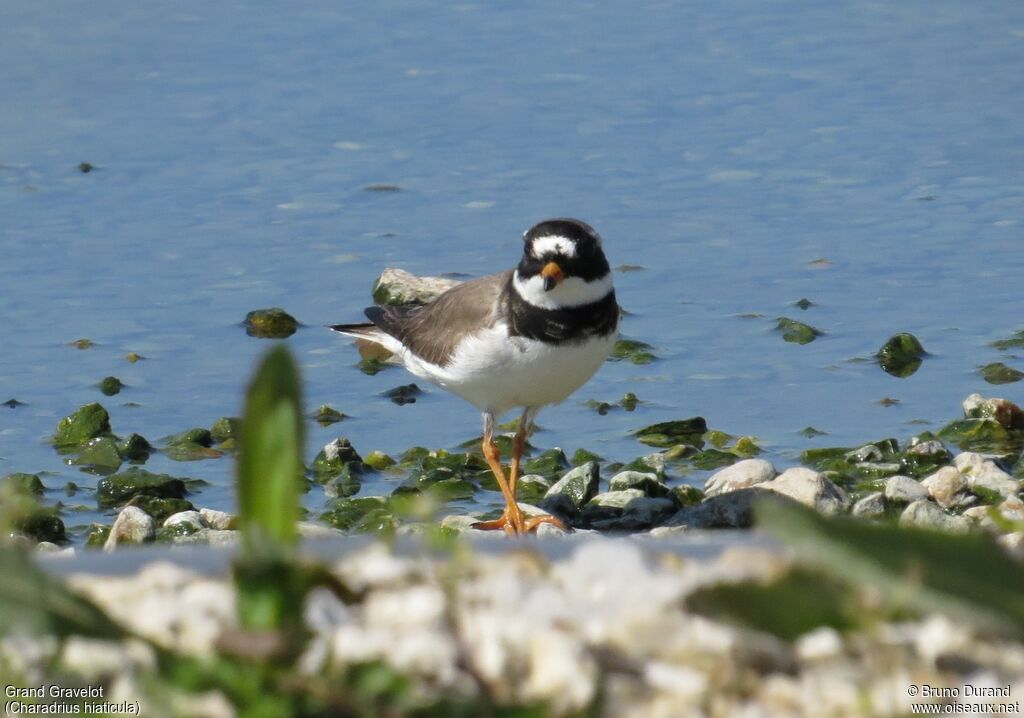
{"points": [[648, 483], [925, 514], [626, 510], [740, 475], [209, 537], [132, 526], [866, 453], [656, 462], [310, 530], [190, 519], [615, 499], [542, 482], [660, 532], [1013, 543], [571, 493], [732, 510], [398, 287], [982, 472], [1012, 509], [946, 486], [811, 489], [872, 506], [931, 447], [980, 517], [904, 490], [220, 520], [1002, 410]]}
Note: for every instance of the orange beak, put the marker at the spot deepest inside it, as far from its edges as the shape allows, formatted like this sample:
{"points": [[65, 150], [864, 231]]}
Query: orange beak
{"points": [[552, 274]]}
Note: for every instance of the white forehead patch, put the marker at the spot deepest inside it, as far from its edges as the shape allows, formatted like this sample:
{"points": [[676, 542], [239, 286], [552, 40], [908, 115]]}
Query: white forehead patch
{"points": [[553, 244]]}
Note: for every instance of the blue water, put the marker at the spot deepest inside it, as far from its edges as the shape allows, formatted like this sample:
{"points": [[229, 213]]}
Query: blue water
{"points": [[723, 147]]}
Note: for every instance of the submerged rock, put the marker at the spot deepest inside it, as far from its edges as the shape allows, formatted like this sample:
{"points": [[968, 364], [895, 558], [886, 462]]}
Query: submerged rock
{"points": [[100, 455], [901, 355], [326, 415], [999, 373], [796, 332], [135, 448], [87, 422], [404, 394], [40, 523], [225, 429], [111, 386], [160, 508], [272, 323], [670, 433], [740, 475], [633, 351], [119, 488], [985, 434], [29, 484]]}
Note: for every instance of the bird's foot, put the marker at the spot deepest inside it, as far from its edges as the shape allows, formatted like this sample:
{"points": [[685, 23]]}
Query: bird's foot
{"points": [[514, 523]]}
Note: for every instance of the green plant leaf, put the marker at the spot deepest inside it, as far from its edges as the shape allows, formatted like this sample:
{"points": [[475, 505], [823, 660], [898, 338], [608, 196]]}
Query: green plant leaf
{"points": [[966, 576], [270, 459]]}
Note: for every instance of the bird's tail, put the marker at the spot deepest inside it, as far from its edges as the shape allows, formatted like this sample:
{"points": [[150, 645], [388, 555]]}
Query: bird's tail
{"points": [[365, 330]]}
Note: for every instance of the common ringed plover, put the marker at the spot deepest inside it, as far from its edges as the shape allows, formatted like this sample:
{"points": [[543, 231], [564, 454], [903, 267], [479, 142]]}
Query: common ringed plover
{"points": [[526, 337]]}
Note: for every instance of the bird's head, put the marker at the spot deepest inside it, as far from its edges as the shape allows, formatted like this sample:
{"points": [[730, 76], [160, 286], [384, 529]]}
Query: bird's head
{"points": [[563, 265]]}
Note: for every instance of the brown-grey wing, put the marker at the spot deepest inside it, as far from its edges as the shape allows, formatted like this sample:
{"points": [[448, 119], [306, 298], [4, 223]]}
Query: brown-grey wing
{"points": [[433, 331]]}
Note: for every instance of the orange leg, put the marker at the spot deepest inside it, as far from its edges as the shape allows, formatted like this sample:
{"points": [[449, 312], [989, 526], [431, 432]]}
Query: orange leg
{"points": [[518, 444], [512, 521]]}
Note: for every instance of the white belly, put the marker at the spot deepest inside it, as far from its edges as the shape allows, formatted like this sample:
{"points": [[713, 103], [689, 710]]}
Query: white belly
{"points": [[495, 372]]}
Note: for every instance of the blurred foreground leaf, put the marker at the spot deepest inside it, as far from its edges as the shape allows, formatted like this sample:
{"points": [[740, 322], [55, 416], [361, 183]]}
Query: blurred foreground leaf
{"points": [[787, 607], [270, 472], [966, 576], [270, 460], [33, 602]]}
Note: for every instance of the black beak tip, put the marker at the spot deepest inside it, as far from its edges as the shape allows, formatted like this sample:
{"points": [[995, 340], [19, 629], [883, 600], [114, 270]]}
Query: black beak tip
{"points": [[549, 283]]}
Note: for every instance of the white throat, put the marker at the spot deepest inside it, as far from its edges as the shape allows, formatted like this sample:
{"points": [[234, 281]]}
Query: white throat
{"points": [[570, 292]]}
